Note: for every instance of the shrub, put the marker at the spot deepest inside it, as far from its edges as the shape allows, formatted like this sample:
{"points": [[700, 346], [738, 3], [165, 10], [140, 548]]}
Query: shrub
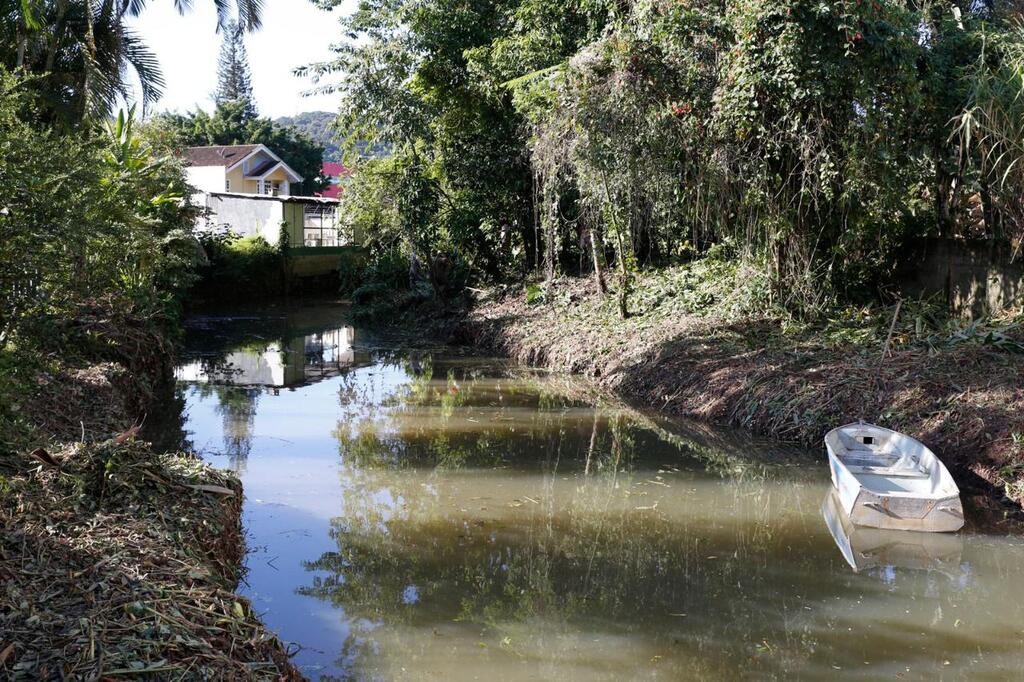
{"points": [[352, 268], [239, 269], [85, 216]]}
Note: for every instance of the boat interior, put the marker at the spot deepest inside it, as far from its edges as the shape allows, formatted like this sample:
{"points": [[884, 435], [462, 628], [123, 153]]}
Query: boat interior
{"points": [[875, 453]]}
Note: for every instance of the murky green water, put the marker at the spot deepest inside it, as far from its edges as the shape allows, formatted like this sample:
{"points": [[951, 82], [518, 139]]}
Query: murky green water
{"points": [[435, 516]]}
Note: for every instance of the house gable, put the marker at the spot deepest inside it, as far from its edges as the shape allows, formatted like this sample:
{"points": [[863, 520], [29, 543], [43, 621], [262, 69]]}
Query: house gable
{"points": [[261, 160], [246, 169]]}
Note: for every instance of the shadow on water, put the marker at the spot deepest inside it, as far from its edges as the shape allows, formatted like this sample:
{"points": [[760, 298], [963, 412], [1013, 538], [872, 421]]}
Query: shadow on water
{"points": [[428, 516]]}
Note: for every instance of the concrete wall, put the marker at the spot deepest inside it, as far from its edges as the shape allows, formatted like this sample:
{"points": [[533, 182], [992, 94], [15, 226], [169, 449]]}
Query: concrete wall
{"points": [[317, 262], [976, 277], [313, 265], [293, 218], [247, 217]]}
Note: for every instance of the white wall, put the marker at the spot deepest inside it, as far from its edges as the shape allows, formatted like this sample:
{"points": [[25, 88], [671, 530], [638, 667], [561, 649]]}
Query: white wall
{"points": [[206, 178], [247, 368], [247, 217]]}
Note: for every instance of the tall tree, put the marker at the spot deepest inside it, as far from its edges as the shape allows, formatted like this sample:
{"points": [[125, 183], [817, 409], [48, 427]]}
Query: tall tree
{"points": [[81, 54], [234, 82], [405, 83]]}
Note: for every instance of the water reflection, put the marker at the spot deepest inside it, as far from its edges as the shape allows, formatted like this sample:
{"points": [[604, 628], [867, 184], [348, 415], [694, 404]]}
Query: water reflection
{"points": [[237, 407], [278, 364], [435, 517], [883, 553]]}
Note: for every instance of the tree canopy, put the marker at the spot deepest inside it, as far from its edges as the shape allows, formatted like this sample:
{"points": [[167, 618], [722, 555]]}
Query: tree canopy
{"points": [[818, 137]]}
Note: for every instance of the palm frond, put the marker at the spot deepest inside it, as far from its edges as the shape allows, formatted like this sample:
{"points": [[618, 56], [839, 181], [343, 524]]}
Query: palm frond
{"points": [[250, 13], [133, 8], [146, 67]]}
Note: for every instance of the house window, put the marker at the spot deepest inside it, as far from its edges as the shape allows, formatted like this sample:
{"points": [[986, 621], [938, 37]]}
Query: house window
{"points": [[319, 226], [227, 185], [270, 187]]}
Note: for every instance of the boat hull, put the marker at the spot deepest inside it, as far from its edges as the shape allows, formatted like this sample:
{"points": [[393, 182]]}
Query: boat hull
{"points": [[865, 507], [867, 548]]}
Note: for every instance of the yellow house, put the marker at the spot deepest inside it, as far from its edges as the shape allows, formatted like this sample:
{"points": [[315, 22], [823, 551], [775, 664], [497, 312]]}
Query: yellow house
{"points": [[245, 190], [239, 169]]}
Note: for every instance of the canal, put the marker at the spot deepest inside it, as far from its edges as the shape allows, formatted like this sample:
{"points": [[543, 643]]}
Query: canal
{"points": [[430, 514]]}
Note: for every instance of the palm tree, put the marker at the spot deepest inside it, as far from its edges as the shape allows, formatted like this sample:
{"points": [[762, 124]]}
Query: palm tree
{"points": [[248, 11], [81, 53]]}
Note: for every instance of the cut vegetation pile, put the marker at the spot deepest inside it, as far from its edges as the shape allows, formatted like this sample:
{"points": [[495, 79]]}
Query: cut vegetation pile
{"points": [[960, 390], [115, 560], [118, 561]]}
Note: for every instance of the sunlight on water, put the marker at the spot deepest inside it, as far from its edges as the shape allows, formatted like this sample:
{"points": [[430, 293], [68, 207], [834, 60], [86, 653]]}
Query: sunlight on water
{"points": [[430, 516]]}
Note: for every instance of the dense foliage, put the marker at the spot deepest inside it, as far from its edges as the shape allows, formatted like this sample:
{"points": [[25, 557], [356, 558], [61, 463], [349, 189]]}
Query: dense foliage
{"points": [[238, 270], [84, 218], [458, 184], [819, 137], [92, 224]]}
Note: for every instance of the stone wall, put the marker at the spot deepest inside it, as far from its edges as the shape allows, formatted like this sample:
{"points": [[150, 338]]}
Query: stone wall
{"points": [[976, 277]]}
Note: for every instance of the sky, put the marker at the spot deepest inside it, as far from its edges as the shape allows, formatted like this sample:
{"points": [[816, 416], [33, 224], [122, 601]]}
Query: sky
{"points": [[294, 33]]}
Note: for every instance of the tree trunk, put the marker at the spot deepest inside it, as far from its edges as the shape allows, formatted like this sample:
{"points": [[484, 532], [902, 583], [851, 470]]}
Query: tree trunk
{"points": [[597, 249], [19, 60], [526, 233], [550, 223], [55, 38], [624, 279], [993, 228], [943, 196], [624, 283]]}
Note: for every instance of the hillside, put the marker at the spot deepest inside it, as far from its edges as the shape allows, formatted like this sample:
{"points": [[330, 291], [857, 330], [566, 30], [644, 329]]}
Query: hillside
{"points": [[317, 125]]}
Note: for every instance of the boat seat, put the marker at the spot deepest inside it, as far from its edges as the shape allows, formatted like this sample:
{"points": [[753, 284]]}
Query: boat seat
{"points": [[894, 471], [883, 465]]}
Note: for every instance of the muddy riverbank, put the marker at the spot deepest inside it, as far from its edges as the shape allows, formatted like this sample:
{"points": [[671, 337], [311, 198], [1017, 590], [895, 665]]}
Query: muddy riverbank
{"points": [[117, 560], [966, 402]]}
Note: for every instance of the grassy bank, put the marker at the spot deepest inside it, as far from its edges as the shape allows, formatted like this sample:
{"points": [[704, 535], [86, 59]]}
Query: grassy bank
{"points": [[115, 560], [692, 347]]}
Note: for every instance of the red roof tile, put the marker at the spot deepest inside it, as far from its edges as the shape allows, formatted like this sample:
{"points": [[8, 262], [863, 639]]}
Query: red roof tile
{"points": [[332, 169]]}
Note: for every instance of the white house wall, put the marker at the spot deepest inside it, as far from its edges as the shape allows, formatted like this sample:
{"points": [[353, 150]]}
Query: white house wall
{"points": [[246, 217], [206, 178]]}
